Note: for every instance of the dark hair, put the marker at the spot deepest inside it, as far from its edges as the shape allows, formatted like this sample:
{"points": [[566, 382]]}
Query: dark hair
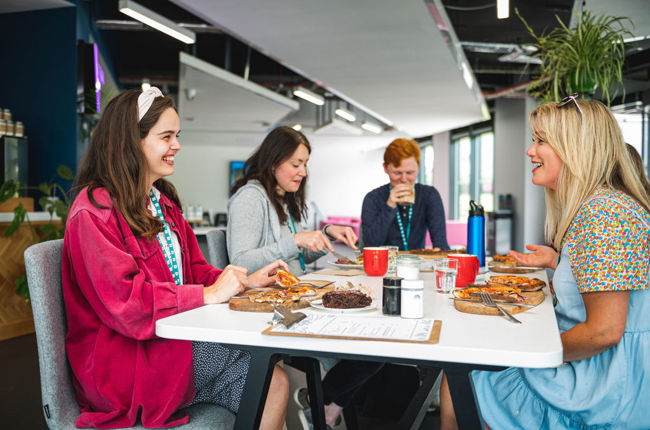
{"points": [[277, 147], [115, 161]]}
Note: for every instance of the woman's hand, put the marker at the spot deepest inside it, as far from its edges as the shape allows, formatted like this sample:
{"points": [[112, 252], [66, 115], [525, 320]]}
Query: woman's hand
{"points": [[344, 234], [399, 194], [314, 240], [231, 282], [542, 256], [266, 275]]}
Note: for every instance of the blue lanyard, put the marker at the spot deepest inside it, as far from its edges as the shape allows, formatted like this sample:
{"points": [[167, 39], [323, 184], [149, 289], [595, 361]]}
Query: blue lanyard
{"points": [[405, 237], [170, 255], [294, 231]]}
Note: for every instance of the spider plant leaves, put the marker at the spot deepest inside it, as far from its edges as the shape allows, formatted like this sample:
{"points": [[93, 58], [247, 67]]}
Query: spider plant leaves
{"points": [[592, 53]]}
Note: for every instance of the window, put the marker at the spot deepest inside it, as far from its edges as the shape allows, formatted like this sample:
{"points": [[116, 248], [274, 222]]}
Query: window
{"points": [[633, 119], [472, 171], [426, 165]]}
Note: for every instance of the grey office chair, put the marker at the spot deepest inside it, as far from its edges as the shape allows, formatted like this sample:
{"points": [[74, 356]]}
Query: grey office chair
{"points": [[217, 248], [43, 264]]}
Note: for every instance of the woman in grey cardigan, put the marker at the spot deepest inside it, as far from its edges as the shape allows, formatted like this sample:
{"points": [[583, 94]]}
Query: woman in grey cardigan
{"points": [[264, 224], [268, 204]]}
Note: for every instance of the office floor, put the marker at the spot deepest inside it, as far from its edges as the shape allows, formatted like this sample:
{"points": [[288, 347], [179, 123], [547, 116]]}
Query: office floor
{"points": [[20, 391]]}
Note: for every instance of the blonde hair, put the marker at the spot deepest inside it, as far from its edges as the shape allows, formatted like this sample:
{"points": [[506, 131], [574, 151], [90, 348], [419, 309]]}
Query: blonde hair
{"points": [[593, 154]]}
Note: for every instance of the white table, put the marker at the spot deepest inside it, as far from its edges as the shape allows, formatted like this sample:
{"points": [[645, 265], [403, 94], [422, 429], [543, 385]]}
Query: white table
{"points": [[474, 340]]}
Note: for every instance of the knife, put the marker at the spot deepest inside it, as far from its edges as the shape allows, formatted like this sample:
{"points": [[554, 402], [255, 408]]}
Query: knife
{"points": [[523, 305], [342, 257]]}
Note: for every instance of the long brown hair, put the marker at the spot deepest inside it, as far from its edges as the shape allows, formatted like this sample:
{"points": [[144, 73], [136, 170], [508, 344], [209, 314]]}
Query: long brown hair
{"points": [[277, 147], [115, 161]]}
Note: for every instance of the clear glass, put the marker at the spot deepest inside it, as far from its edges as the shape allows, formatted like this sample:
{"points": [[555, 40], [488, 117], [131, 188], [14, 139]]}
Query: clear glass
{"points": [[392, 260], [446, 270]]}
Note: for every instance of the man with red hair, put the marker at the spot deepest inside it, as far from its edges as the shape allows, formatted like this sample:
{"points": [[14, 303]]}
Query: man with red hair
{"points": [[389, 216]]}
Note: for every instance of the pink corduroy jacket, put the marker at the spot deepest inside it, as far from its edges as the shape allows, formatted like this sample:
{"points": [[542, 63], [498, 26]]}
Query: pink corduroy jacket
{"points": [[115, 287]]}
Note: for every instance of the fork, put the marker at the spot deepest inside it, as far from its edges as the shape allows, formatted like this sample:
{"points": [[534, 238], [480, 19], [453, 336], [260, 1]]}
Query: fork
{"points": [[488, 301]]}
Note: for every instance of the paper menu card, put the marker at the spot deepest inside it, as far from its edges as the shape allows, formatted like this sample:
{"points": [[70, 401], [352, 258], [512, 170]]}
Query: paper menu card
{"points": [[393, 329]]}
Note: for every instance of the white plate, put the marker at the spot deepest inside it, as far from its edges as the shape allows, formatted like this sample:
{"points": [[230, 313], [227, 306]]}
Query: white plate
{"points": [[345, 266], [318, 304]]}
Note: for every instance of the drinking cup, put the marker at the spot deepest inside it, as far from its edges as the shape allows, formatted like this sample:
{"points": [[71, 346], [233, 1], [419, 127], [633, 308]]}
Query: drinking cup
{"points": [[410, 198], [445, 274], [375, 261], [468, 266], [392, 259]]}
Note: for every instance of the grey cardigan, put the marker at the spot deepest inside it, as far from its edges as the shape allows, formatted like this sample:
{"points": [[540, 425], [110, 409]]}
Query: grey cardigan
{"points": [[254, 235]]}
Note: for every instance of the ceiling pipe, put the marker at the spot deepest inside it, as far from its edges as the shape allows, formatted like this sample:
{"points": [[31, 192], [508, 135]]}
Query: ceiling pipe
{"points": [[512, 89], [126, 25]]}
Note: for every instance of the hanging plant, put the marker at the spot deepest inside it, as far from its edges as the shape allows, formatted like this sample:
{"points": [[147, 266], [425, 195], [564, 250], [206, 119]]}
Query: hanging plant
{"points": [[581, 59]]}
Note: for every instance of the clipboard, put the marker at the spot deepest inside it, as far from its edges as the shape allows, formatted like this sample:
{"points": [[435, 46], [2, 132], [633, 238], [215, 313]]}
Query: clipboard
{"points": [[433, 335]]}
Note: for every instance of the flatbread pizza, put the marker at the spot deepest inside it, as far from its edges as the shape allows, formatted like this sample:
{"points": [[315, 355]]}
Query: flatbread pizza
{"points": [[285, 279], [522, 283]]}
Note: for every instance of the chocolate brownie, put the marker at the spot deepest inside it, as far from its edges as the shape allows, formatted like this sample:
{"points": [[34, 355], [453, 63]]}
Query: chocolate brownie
{"points": [[346, 299]]}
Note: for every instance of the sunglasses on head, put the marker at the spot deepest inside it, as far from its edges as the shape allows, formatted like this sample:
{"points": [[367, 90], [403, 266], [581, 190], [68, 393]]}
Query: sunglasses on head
{"points": [[572, 98]]}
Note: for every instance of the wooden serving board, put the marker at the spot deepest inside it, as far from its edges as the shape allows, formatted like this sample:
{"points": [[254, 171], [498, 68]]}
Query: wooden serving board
{"points": [[532, 298], [246, 305]]}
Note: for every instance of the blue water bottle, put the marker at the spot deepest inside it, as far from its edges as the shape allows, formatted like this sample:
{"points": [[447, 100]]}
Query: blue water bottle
{"points": [[476, 232]]}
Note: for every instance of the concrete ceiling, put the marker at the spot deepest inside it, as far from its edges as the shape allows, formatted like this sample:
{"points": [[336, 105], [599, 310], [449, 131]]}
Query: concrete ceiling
{"points": [[10, 6], [390, 59]]}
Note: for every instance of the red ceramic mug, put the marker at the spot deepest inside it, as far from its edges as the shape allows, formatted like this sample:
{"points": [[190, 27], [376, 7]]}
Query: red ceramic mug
{"points": [[468, 265], [375, 261]]}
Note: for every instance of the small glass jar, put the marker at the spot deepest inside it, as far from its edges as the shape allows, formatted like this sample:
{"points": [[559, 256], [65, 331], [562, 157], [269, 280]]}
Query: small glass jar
{"points": [[19, 129], [3, 127], [408, 266], [7, 114], [391, 295], [412, 295]]}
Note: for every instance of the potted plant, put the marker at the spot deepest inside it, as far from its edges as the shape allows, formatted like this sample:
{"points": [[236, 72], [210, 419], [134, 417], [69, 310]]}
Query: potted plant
{"points": [[581, 59], [55, 200]]}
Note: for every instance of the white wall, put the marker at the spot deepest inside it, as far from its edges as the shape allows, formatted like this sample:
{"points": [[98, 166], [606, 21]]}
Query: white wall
{"points": [[513, 170], [441, 156], [342, 169]]}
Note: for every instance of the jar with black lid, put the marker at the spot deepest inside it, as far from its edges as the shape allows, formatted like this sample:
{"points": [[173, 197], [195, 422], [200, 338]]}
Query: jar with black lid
{"points": [[392, 295]]}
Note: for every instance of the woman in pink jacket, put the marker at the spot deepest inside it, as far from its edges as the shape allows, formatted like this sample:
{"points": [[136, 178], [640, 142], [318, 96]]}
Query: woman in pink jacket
{"points": [[129, 258]]}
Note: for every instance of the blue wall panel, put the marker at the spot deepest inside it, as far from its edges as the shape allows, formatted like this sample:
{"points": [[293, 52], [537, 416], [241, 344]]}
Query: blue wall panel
{"points": [[38, 82]]}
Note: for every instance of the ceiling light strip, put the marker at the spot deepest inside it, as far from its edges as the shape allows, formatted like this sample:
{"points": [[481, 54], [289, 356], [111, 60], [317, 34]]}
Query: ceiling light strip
{"points": [[159, 22], [372, 127], [310, 96], [345, 114]]}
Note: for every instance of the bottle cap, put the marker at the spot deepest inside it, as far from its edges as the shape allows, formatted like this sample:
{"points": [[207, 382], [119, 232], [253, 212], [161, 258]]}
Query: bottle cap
{"points": [[475, 209], [392, 281]]}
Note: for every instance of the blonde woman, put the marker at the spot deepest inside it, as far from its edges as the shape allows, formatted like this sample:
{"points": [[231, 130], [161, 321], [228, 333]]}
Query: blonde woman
{"points": [[598, 219]]}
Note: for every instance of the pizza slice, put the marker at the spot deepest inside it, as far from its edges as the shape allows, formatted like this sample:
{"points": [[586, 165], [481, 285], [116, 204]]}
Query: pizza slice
{"points": [[505, 259], [285, 278], [523, 283], [499, 293]]}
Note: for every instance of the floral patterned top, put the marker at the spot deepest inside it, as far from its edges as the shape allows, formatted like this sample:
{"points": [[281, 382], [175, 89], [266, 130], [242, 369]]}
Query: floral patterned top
{"points": [[609, 246]]}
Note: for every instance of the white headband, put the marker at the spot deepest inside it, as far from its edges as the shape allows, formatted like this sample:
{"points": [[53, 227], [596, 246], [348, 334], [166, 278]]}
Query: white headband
{"points": [[146, 99]]}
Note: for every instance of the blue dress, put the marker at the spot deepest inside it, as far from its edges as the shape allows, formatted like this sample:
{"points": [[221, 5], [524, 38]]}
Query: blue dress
{"points": [[610, 390]]}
